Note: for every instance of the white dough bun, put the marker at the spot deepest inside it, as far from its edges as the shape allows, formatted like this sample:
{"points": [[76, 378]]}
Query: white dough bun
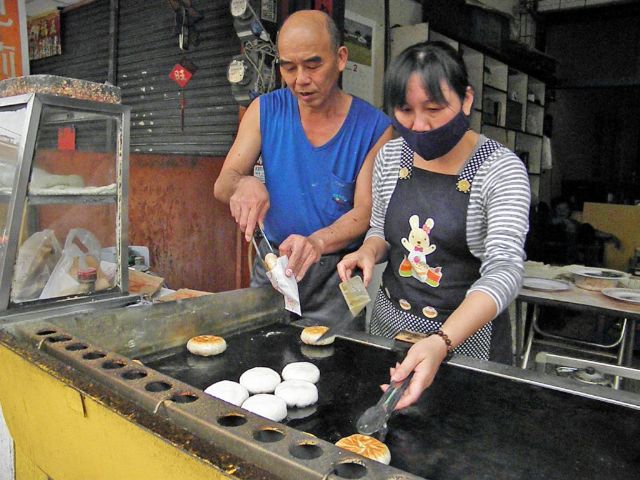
{"points": [[297, 393], [299, 413], [301, 371], [367, 447], [228, 391], [310, 335], [206, 345], [268, 406], [260, 380]]}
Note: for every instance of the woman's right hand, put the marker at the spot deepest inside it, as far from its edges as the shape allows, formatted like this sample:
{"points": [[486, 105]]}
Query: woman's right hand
{"points": [[363, 258], [424, 359]]}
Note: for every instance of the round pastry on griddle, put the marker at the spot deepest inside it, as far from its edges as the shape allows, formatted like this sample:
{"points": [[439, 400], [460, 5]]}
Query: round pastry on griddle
{"points": [[310, 335], [228, 391], [316, 352], [367, 447], [268, 406], [301, 371], [260, 380], [297, 393], [206, 345]]}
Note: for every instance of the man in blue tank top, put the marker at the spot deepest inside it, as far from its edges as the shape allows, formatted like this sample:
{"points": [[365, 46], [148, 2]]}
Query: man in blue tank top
{"points": [[317, 145]]}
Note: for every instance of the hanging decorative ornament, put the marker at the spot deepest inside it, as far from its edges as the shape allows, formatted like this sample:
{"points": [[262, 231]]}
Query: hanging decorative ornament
{"points": [[180, 75]]}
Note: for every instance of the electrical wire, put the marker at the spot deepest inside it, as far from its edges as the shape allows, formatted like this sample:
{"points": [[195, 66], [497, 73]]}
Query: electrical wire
{"points": [[262, 51]]}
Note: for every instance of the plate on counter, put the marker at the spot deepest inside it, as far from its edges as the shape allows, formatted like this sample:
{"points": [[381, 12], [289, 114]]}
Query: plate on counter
{"points": [[545, 284], [629, 295]]}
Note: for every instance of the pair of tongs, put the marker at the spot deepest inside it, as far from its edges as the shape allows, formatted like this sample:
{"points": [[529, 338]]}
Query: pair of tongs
{"points": [[258, 236], [374, 419]]}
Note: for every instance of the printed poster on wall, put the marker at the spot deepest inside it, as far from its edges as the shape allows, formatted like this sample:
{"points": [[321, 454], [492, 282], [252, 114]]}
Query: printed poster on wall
{"points": [[357, 77], [14, 58], [44, 35]]}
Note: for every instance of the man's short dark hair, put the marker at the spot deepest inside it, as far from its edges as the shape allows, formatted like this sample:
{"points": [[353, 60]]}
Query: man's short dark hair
{"points": [[334, 33]]}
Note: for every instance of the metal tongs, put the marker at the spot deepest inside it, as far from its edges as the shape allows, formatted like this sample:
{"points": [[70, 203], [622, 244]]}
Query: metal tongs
{"points": [[374, 419], [258, 235]]}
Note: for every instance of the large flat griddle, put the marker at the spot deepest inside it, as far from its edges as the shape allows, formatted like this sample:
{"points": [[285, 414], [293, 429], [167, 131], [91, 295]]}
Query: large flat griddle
{"points": [[469, 424]]}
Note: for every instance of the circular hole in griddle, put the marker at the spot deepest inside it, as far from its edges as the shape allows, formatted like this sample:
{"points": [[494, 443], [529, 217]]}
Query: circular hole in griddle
{"points": [[94, 355], [232, 420], [268, 435], [113, 364], [59, 338], [305, 451], [157, 386], [133, 374], [184, 397], [351, 469], [46, 331], [74, 347]]}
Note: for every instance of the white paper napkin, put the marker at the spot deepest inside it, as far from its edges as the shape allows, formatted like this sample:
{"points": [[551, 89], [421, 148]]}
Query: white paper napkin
{"points": [[287, 286]]}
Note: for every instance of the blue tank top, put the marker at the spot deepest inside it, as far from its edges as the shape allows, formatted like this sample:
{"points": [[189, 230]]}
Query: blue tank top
{"points": [[311, 187]]}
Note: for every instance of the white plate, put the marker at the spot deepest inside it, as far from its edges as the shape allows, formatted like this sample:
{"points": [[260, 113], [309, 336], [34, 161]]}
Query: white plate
{"points": [[544, 284], [600, 273], [630, 295]]}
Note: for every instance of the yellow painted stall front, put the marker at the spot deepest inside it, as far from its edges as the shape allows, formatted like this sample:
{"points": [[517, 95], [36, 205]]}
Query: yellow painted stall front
{"points": [[62, 431]]}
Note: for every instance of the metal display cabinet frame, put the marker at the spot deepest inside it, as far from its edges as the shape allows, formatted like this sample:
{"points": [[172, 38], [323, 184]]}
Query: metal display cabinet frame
{"points": [[83, 110]]}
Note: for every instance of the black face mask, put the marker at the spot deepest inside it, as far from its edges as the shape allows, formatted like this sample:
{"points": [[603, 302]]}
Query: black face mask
{"points": [[435, 143]]}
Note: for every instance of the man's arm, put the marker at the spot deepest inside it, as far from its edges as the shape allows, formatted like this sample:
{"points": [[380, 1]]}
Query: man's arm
{"points": [[355, 222], [305, 251], [246, 195]]}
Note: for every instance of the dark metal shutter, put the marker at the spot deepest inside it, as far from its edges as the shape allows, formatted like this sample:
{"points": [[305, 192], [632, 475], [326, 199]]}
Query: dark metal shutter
{"points": [[85, 55], [85, 45], [148, 50]]}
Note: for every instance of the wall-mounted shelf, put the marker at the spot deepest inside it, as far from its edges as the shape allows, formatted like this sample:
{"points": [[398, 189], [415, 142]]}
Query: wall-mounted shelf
{"points": [[508, 105]]}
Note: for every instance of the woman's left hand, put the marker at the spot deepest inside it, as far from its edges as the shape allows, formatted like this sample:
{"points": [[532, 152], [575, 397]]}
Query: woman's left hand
{"points": [[424, 358]]}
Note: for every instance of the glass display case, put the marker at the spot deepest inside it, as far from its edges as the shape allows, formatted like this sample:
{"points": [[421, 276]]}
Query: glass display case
{"points": [[63, 202]]}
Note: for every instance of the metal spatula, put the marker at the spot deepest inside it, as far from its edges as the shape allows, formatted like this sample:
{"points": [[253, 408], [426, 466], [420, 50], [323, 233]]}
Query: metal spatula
{"points": [[355, 294], [357, 297], [375, 418]]}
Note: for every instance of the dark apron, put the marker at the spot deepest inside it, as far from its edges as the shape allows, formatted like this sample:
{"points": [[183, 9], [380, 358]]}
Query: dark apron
{"points": [[430, 268], [321, 301]]}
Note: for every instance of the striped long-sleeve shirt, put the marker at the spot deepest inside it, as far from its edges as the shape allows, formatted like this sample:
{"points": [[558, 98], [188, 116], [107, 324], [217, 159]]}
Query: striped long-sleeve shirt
{"points": [[497, 217]]}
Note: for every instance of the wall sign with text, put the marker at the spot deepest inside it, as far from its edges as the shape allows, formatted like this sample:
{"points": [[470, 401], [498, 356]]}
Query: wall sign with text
{"points": [[44, 36], [14, 57]]}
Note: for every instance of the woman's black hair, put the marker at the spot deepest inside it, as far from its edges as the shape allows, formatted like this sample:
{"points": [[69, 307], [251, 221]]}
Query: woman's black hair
{"points": [[433, 62]]}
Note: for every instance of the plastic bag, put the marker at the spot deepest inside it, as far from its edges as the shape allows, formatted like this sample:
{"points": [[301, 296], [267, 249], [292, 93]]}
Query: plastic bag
{"points": [[37, 259], [81, 250]]}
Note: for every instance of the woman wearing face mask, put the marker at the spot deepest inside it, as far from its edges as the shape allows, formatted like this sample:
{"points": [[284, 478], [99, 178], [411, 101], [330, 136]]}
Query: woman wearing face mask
{"points": [[450, 215]]}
